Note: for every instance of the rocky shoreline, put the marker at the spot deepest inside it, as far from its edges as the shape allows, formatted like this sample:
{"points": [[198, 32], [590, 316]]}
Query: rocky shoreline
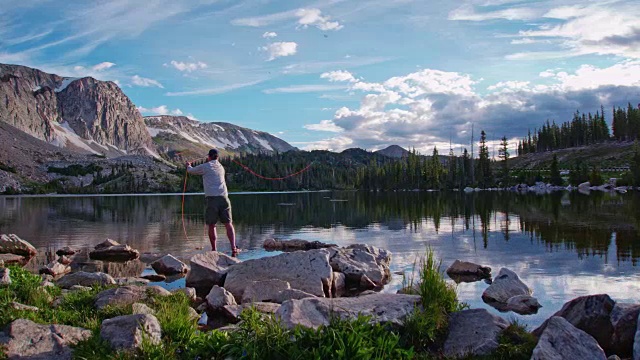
{"points": [[308, 285]]}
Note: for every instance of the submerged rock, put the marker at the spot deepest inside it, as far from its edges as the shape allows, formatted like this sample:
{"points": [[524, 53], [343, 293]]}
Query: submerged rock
{"points": [[294, 245], [25, 339], [561, 340], [473, 332], [128, 331], [523, 304], [505, 286], [12, 244]]}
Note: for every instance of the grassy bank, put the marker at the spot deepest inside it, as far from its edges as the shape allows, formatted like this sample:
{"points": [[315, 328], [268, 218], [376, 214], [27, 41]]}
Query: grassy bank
{"points": [[260, 336]]}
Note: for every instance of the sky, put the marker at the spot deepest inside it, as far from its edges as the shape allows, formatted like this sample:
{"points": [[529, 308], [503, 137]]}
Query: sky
{"points": [[337, 74]]}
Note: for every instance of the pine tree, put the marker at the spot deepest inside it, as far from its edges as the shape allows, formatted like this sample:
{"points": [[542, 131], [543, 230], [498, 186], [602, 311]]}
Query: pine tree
{"points": [[485, 177], [503, 153], [635, 165], [555, 177]]}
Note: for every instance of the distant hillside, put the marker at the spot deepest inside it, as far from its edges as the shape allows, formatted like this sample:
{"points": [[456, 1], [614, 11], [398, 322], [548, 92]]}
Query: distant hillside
{"points": [[393, 151], [604, 155]]}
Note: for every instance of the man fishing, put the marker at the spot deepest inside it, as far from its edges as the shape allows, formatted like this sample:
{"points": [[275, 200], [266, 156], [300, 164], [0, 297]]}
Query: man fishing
{"points": [[217, 204]]}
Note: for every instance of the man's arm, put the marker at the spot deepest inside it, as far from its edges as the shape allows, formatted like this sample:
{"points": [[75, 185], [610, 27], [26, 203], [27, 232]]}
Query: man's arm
{"points": [[198, 170]]}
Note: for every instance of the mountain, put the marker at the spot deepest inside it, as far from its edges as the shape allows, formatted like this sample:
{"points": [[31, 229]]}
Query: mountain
{"points": [[179, 135], [393, 151], [85, 114]]}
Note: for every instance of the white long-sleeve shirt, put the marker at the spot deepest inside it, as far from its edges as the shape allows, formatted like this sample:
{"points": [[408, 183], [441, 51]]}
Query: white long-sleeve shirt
{"points": [[212, 178]]}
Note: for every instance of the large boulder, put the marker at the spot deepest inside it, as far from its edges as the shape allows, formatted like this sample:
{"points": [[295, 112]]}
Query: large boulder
{"points": [[114, 253], [218, 298], [208, 269], [561, 340], [55, 268], [25, 339], [624, 319], [308, 271], [360, 260], [5, 279], [263, 291], [128, 331], [590, 314], [506, 285], [523, 304], [463, 271], [314, 312], [127, 295], [85, 279], [12, 244], [169, 265], [294, 245], [473, 332], [290, 294]]}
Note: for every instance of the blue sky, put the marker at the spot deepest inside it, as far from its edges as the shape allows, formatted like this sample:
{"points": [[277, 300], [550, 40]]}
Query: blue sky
{"points": [[337, 74]]}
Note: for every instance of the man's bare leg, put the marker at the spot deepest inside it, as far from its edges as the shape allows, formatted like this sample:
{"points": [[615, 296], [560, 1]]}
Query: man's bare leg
{"points": [[212, 236], [231, 234]]}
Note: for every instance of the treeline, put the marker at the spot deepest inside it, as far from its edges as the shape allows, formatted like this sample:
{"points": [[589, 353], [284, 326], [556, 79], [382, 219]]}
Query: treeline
{"points": [[626, 123]]}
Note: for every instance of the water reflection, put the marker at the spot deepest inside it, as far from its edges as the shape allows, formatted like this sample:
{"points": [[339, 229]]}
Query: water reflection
{"points": [[562, 244]]}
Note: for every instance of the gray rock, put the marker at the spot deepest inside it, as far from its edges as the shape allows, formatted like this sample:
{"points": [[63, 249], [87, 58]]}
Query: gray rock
{"points": [[232, 312], [636, 343], [65, 251], [123, 281], [12, 259], [473, 332], [106, 244], [55, 268], [5, 279], [208, 269], [169, 265], [203, 319], [188, 291], [523, 304], [358, 260], [265, 290], [624, 318], [22, 307], [368, 292], [127, 332], [85, 279], [308, 271], [294, 245], [27, 340], [590, 314], [505, 286], [193, 314], [154, 277], [79, 288], [140, 308], [127, 295], [290, 294], [614, 357], [314, 312], [12, 244], [219, 297], [115, 253], [463, 271], [561, 340], [338, 285]]}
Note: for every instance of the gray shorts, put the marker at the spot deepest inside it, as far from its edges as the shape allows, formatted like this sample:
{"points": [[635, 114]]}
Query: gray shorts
{"points": [[217, 208]]}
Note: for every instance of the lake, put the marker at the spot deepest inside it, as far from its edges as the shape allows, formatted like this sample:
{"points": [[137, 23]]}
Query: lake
{"points": [[563, 244]]}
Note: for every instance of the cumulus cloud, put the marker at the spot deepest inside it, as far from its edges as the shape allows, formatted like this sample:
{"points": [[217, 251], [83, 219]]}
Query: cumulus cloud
{"points": [[338, 76], [280, 49], [425, 108], [269, 35], [145, 82], [188, 67], [313, 17]]}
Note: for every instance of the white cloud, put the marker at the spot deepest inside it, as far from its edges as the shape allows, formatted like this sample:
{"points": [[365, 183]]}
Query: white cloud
{"points": [[468, 13], [188, 67], [103, 66], [338, 76], [160, 110], [145, 82], [547, 73], [280, 49], [214, 90], [324, 125], [305, 18], [269, 35], [303, 89]]}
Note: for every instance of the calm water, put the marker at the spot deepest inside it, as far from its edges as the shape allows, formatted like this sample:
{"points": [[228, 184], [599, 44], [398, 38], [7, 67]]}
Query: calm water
{"points": [[563, 245]]}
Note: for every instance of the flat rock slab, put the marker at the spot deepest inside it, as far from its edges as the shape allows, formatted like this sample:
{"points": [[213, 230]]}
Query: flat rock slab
{"points": [[464, 271], [208, 269], [473, 332], [505, 286], [127, 295], [314, 312], [85, 279], [128, 331], [25, 339], [12, 244], [115, 253], [265, 290], [294, 245], [290, 294], [561, 340], [12, 259], [308, 271], [169, 265]]}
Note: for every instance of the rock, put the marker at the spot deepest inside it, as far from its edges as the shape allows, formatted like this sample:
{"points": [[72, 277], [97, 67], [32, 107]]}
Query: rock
{"points": [[338, 285], [105, 244], [294, 245], [154, 277], [128, 331], [12, 259], [523, 304], [356, 261], [314, 312], [624, 319], [85, 279], [203, 320], [208, 269], [193, 314], [290, 294], [64, 260], [12, 244], [140, 308], [27, 340], [584, 185], [561, 340], [308, 271], [219, 297], [131, 281], [169, 265], [127, 295], [114, 253], [463, 271], [5, 279], [263, 290], [232, 312], [55, 268], [590, 314], [614, 357], [80, 288], [188, 291], [366, 283], [22, 307], [367, 292], [473, 332], [65, 251], [506, 285]]}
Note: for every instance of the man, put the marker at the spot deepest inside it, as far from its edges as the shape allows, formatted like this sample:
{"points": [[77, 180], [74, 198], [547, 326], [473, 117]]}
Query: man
{"points": [[217, 204]]}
